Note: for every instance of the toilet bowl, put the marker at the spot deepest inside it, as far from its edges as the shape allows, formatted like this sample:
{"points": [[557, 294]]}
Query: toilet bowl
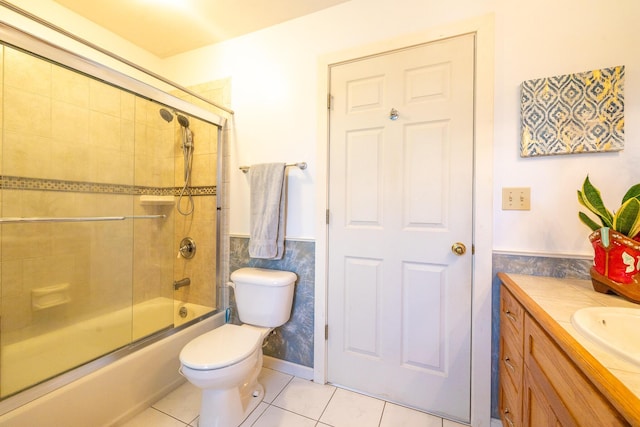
{"points": [[225, 362]]}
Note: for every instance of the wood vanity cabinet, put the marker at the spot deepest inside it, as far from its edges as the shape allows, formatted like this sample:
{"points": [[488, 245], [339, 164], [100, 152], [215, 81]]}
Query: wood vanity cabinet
{"points": [[510, 366], [539, 385]]}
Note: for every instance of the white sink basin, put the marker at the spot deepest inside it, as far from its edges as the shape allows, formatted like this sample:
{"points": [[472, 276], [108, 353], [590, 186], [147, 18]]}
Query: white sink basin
{"points": [[615, 328]]}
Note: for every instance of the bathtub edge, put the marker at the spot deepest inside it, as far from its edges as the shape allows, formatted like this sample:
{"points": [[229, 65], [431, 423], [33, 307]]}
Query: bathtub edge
{"points": [[100, 399]]}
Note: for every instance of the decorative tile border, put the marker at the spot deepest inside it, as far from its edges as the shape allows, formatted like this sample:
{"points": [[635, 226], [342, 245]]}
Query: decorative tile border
{"points": [[38, 184]]}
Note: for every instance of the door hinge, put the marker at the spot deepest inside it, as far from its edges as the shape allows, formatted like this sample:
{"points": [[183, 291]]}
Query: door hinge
{"points": [[326, 332], [329, 102], [327, 217]]}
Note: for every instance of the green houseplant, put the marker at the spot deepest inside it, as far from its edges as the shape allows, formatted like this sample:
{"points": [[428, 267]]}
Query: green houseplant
{"points": [[626, 220], [615, 239]]}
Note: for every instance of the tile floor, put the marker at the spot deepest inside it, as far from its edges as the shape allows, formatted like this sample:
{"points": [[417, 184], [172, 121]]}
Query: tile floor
{"points": [[292, 402]]}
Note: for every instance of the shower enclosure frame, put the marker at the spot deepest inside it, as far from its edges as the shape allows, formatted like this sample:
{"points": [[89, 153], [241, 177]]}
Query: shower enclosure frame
{"points": [[14, 37]]}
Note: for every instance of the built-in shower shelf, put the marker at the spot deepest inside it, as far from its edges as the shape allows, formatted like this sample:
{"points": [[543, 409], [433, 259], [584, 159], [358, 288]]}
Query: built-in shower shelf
{"points": [[50, 296], [157, 200]]}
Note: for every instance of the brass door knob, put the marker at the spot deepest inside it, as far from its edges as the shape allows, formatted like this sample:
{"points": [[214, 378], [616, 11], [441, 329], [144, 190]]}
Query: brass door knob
{"points": [[459, 248]]}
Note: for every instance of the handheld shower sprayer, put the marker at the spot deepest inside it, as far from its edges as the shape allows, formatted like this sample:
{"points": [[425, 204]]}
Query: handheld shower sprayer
{"points": [[187, 134], [187, 151], [184, 122]]}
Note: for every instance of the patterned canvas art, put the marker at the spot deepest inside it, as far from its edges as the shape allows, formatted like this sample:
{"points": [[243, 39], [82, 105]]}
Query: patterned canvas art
{"points": [[573, 113]]}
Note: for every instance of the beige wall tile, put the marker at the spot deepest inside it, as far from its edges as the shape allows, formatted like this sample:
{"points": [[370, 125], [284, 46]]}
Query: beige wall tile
{"points": [[104, 98], [1, 107], [113, 166], [104, 130], [27, 72], [30, 114], [127, 105], [26, 155], [72, 162], [69, 123], [70, 87]]}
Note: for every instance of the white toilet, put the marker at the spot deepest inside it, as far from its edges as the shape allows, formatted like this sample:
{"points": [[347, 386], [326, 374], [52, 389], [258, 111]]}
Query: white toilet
{"points": [[226, 361]]}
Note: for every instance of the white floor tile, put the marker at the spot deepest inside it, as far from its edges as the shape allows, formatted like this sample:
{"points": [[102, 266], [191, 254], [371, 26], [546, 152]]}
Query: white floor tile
{"points": [[152, 417], [395, 415], [255, 415], [183, 403], [292, 402], [273, 382], [276, 417], [305, 398], [349, 409]]}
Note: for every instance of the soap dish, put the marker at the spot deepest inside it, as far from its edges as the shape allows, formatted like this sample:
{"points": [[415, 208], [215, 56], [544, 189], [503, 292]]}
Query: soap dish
{"points": [[50, 296], [157, 200]]}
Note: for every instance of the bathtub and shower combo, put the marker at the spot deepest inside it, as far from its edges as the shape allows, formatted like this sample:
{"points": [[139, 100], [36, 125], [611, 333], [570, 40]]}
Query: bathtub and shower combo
{"points": [[109, 231]]}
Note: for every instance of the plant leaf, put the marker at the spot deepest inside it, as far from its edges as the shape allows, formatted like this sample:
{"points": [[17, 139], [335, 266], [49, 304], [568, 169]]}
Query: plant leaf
{"points": [[627, 219], [588, 221], [633, 192], [592, 200], [581, 199]]}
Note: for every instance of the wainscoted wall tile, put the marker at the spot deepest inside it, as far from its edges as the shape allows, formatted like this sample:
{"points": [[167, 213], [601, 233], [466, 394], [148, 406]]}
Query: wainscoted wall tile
{"points": [[293, 341], [534, 266]]}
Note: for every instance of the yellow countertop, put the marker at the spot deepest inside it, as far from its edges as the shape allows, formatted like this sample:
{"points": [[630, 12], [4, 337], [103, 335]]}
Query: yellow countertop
{"points": [[559, 299]]}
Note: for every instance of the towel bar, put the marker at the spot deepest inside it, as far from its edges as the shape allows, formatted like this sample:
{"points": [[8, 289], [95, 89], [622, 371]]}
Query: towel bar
{"points": [[301, 165]]}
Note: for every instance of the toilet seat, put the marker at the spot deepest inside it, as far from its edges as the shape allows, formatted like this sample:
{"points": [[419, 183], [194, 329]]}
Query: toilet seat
{"points": [[221, 347]]}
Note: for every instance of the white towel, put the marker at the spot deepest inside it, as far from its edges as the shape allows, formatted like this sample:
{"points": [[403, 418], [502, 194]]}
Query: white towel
{"points": [[267, 222]]}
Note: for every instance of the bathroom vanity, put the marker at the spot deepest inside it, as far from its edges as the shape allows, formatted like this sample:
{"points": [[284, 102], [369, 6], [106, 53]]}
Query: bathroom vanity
{"points": [[550, 374]]}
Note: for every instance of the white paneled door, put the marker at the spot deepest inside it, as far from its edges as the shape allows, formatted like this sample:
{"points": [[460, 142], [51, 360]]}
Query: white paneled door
{"points": [[400, 226]]}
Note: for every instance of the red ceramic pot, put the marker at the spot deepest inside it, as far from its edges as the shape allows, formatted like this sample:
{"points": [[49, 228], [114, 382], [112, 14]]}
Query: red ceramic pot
{"points": [[616, 256]]}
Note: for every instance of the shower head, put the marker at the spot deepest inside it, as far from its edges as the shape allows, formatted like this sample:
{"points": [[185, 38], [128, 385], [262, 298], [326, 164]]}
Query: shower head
{"points": [[166, 114], [184, 122]]}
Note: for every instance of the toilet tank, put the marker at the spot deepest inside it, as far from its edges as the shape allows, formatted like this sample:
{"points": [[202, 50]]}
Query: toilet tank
{"points": [[264, 297]]}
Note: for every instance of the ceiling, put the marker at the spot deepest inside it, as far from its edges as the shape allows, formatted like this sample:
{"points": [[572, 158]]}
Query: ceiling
{"points": [[170, 27]]}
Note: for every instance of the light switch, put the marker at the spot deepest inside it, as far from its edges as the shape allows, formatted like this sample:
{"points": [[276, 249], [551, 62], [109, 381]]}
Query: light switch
{"points": [[516, 198]]}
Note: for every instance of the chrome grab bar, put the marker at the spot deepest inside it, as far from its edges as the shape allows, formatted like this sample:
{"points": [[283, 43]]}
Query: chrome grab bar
{"points": [[18, 220]]}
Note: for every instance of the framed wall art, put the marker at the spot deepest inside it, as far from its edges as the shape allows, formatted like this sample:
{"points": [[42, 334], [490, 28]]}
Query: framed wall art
{"points": [[573, 113]]}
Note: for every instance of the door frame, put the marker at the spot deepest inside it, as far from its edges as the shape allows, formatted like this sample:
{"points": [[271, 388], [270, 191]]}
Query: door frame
{"points": [[483, 28]]}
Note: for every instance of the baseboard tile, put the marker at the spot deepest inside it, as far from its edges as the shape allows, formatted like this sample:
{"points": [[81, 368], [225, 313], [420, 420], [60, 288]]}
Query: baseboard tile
{"points": [[288, 367]]}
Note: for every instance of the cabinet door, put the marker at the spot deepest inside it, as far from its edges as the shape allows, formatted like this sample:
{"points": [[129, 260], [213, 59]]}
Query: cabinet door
{"points": [[511, 319], [538, 411], [510, 365], [569, 395], [509, 405]]}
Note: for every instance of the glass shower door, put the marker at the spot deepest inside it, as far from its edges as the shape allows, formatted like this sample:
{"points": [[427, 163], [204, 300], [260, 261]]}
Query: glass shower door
{"points": [[67, 234]]}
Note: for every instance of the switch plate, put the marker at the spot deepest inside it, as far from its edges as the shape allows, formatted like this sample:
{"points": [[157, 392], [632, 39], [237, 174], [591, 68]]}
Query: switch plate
{"points": [[516, 199]]}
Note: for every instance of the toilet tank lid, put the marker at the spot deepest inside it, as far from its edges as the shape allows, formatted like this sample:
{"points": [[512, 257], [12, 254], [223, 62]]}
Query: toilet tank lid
{"points": [[263, 276], [223, 346]]}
